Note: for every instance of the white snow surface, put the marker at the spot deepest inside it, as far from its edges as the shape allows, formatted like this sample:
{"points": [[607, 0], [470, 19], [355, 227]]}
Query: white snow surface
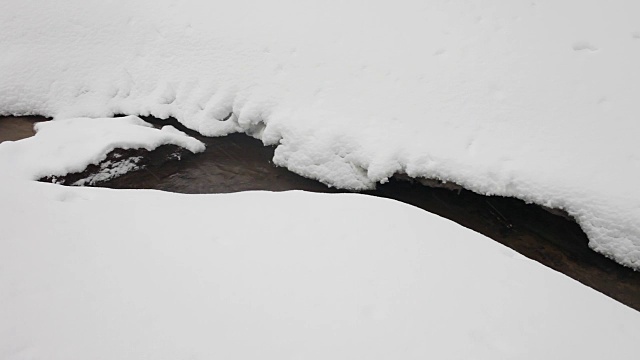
{"points": [[69, 146], [105, 274], [536, 99], [89, 273]]}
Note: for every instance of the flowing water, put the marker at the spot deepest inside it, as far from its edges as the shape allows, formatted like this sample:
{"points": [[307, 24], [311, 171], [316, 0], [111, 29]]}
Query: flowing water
{"points": [[238, 162]]}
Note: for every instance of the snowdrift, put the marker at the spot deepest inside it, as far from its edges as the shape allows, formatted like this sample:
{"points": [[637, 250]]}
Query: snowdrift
{"points": [[532, 99], [279, 275]]}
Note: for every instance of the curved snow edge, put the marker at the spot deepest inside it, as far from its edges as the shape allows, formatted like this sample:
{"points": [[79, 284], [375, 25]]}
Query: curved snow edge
{"points": [[61, 147], [345, 166], [342, 162]]}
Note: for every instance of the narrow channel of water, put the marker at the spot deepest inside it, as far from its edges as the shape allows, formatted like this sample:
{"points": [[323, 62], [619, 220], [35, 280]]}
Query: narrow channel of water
{"points": [[16, 128], [238, 162]]}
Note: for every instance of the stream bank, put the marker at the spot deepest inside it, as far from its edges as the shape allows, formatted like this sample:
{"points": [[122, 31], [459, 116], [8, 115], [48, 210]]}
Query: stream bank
{"points": [[238, 162]]}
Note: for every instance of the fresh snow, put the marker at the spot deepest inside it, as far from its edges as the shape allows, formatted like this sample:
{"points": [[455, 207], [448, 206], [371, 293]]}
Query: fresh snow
{"points": [[532, 99], [536, 99], [89, 273], [278, 275], [69, 146]]}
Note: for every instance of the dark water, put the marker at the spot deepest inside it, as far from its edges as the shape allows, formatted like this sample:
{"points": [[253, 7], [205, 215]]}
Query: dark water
{"points": [[16, 128], [238, 162]]}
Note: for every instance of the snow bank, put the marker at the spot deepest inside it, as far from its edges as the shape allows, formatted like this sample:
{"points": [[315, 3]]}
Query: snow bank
{"points": [[278, 275], [532, 99], [68, 146]]}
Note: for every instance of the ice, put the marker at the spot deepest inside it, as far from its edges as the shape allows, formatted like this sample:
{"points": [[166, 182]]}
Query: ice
{"points": [[110, 170]]}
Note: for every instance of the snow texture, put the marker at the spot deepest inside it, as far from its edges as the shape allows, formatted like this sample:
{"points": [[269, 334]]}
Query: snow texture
{"points": [[533, 99], [132, 274], [110, 170], [69, 146]]}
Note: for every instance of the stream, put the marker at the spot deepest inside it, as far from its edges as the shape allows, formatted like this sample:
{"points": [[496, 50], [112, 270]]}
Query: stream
{"points": [[238, 162]]}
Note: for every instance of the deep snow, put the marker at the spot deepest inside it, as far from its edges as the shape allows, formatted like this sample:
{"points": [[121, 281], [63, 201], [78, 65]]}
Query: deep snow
{"points": [[130, 274], [532, 99], [279, 275]]}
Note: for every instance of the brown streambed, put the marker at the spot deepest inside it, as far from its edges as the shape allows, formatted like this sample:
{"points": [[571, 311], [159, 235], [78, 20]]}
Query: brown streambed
{"points": [[238, 162], [14, 128]]}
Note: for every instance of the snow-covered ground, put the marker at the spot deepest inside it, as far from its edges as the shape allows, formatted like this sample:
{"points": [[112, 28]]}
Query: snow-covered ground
{"points": [[533, 99], [130, 274], [536, 99]]}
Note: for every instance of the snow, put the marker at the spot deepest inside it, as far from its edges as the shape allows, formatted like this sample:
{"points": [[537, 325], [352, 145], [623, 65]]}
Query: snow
{"points": [[278, 275], [110, 170], [532, 99], [68, 146], [130, 274]]}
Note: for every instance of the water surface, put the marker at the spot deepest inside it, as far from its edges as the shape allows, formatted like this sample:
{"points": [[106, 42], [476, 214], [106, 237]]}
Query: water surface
{"points": [[238, 162]]}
